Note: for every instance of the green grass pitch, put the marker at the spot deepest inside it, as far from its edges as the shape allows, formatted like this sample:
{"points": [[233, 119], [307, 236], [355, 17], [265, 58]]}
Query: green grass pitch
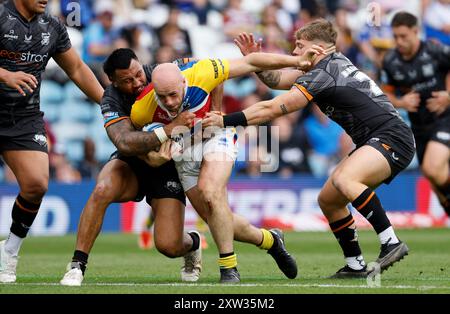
{"points": [[117, 265]]}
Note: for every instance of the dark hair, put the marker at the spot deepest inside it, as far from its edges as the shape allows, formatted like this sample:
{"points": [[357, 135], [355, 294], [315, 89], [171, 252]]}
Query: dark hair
{"points": [[320, 29], [404, 19], [120, 59]]}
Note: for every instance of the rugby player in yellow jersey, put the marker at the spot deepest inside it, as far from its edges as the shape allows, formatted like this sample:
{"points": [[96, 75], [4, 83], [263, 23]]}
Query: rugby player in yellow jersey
{"points": [[205, 167]]}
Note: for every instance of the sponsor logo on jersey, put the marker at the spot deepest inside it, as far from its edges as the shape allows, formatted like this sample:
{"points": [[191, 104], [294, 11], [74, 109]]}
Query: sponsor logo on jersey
{"points": [[160, 115], [394, 156], [111, 115], [398, 76], [425, 56], [43, 21], [11, 35], [443, 136], [329, 111], [40, 139], [11, 18], [428, 70], [412, 74], [26, 57], [28, 39], [173, 186], [45, 39]]}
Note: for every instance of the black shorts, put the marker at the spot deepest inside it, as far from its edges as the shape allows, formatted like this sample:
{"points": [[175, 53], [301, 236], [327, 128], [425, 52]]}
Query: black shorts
{"points": [[396, 144], [160, 182], [438, 132], [23, 133]]}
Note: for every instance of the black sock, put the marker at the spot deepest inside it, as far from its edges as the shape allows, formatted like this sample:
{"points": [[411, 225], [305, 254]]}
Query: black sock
{"points": [[446, 206], [368, 204], [80, 260], [346, 236], [226, 254], [23, 215], [195, 241], [445, 189]]}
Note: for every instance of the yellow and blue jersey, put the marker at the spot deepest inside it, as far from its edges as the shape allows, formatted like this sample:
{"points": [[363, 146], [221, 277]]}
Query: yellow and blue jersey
{"points": [[202, 77]]}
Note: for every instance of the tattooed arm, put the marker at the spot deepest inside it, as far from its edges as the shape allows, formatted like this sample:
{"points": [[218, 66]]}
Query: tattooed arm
{"points": [[265, 111], [129, 141], [279, 79]]}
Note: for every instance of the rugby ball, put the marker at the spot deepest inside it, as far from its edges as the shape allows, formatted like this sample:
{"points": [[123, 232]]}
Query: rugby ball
{"points": [[152, 126]]}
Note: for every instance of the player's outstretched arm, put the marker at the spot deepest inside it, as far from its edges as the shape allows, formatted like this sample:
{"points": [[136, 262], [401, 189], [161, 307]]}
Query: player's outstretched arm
{"points": [[260, 61], [260, 112], [275, 79], [80, 74]]}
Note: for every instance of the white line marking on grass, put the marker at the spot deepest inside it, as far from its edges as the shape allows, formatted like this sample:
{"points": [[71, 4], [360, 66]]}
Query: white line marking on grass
{"points": [[130, 284]]}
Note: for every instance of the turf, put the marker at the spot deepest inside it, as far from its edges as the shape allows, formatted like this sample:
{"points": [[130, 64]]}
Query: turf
{"points": [[117, 265]]}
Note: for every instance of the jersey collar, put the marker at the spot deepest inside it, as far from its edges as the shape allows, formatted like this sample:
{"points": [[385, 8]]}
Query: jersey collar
{"points": [[12, 7]]}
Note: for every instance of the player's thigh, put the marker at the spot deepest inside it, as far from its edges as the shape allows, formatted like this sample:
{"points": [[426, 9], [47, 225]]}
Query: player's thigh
{"points": [[117, 181], [215, 171], [219, 154], [198, 202], [31, 168], [169, 219], [436, 159], [365, 165]]}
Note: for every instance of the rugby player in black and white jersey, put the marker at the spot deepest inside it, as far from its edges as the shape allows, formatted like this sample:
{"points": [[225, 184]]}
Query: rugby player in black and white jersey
{"points": [[384, 142], [413, 78], [28, 39]]}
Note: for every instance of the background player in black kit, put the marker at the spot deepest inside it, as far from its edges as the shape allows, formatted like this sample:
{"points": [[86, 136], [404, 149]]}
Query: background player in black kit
{"points": [[414, 76], [28, 39], [384, 143]]}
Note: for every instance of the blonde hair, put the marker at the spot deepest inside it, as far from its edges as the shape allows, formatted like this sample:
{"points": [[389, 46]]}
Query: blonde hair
{"points": [[320, 29]]}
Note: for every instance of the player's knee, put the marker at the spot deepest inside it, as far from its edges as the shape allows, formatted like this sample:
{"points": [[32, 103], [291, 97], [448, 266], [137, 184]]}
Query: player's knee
{"points": [[207, 194], [431, 170], [34, 190], [340, 181], [168, 249], [323, 201], [103, 192], [211, 193]]}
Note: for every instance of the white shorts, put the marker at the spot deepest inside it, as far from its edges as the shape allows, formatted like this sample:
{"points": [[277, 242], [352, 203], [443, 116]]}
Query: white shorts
{"points": [[188, 164]]}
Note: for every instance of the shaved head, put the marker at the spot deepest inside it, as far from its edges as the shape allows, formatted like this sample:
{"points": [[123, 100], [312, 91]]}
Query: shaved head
{"points": [[169, 83], [166, 75]]}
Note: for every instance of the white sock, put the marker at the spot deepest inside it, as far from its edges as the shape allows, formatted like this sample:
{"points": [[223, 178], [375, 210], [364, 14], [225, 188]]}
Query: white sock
{"points": [[12, 244], [356, 262], [388, 235]]}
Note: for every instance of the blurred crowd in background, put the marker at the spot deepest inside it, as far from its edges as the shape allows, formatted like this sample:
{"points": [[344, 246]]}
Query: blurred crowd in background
{"points": [[161, 31]]}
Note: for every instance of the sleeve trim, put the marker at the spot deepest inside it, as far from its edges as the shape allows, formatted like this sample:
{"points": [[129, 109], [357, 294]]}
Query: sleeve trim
{"points": [[304, 91], [114, 121]]}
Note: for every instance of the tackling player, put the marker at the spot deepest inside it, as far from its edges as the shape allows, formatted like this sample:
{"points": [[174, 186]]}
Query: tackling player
{"points": [[127, 177], [384, 143]]}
